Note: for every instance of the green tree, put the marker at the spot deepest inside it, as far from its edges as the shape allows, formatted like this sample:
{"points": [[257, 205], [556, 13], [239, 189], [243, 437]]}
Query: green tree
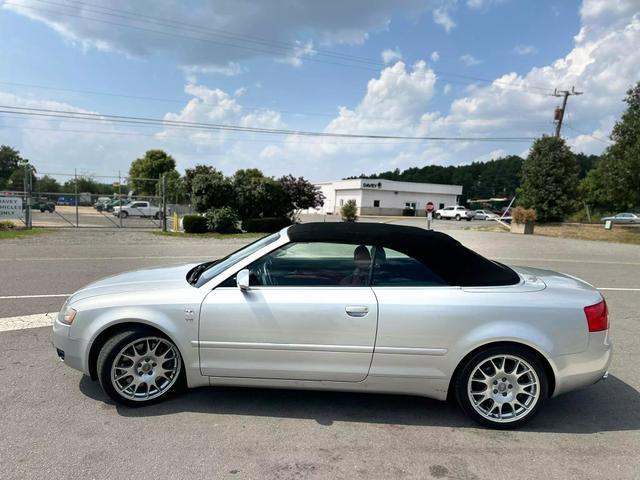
{"points": [[549, 179], [9, 160], [47, 184], [620, 165], [349, 211], [175, 188], [190, 173], [210, 189], [144, 171]]}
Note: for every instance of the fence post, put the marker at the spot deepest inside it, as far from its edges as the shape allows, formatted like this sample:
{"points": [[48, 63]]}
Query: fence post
{"points": [[164, 202], [120, 198], [27, 193], [75, 176]]}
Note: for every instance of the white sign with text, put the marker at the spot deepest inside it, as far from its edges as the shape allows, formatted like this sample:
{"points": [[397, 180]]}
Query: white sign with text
{"points": [[10, 207]]}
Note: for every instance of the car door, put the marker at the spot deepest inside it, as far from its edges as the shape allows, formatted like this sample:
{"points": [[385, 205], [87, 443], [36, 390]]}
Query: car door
{"points": [[418, 317], [309, 314]]}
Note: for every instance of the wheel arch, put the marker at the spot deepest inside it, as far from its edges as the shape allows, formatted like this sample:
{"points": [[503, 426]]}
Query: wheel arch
{"points": [[549, 371], [110, 330]]}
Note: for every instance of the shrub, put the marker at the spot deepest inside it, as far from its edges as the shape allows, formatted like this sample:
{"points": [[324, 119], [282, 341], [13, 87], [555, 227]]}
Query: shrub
{"points": [[222, 220], [265, 224], [349, 211], [194, 224], [7, 225], [408, 212], [523, 215]]}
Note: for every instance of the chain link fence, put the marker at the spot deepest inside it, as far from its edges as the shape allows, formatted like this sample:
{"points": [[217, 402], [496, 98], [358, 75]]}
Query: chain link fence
{"points": [[79, 201]]}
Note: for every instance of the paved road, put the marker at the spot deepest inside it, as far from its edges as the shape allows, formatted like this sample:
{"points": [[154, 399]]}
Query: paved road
{"points": [[55, 423]]}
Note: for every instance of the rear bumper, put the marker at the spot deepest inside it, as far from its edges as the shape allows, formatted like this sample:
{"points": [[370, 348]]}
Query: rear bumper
{"points": [[585, 368]]}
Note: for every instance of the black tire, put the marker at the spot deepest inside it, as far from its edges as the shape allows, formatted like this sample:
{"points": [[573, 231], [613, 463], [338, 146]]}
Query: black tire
{"points": [[469, 219], [438, 216], [462, 382], [458, 218], [123, 214], [42, 210], [157, 216], [109, 353]]}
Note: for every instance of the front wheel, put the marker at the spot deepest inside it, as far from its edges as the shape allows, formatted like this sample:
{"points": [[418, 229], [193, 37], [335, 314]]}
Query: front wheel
{"points": [[502, 387], [138, 367], [123, 214], [438, 216], [458, 217]]}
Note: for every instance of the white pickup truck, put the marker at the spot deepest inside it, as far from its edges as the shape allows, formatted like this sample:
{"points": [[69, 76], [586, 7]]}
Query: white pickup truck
{"points": [[458, 212], [137, 209]]}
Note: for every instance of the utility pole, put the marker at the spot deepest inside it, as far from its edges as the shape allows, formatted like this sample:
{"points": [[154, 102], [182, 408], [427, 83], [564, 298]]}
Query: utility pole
{"points": [[559, 112]]}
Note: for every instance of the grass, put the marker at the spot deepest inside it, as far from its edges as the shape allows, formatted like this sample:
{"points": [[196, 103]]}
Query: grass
{"points": [[20, 232], [618, 234], [209, 235]]}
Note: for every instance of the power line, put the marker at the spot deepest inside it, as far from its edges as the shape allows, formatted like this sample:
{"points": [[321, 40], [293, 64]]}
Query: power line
{"points": [[203, 102], [126, 119], [346, 57], [595, 137]]}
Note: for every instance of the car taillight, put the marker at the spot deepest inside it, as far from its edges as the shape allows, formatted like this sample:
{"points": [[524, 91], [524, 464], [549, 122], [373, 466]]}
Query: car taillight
{"points": [[597, 316]]}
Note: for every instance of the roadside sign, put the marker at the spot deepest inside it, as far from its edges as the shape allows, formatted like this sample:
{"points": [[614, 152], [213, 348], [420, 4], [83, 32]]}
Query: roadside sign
{"points": [[608, 224], [10, 207], [429, 207]]}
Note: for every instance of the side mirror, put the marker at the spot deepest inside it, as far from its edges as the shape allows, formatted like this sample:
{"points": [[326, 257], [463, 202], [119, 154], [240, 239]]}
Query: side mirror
{"points": [[242, 279]]}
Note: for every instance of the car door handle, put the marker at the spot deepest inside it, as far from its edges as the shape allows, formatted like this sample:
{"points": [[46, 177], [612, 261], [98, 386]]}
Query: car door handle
{"points": [[356, 310]]}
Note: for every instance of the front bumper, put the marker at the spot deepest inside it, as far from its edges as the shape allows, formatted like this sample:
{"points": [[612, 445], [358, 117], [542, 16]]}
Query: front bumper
{"points": [[70, 350], [585, 368]]}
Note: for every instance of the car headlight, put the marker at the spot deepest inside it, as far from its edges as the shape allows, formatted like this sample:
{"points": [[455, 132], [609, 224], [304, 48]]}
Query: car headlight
{"points": [[68, 315]]}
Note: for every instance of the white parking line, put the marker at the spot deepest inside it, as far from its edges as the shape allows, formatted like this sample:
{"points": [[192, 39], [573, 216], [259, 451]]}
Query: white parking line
{"points": [[27, 321], [619, 289], [17, 297]]}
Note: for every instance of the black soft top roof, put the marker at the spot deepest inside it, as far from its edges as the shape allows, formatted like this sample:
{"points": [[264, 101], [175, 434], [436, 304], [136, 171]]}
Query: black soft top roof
{"points": [[454, 263]]}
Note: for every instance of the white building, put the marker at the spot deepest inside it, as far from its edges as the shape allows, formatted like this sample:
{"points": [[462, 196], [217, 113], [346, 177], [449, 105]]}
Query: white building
{"points": [[375, 196]]}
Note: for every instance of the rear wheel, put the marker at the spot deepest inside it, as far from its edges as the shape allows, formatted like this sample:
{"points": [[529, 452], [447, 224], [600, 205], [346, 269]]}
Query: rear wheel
{"points": [[157, 215], [139, 367], [458, 217], [438, 216], [502, 387], [123, 214]]}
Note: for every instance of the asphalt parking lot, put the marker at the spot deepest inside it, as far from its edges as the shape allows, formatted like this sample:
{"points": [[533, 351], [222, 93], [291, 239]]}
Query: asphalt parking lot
{"points": [[55, 423]]}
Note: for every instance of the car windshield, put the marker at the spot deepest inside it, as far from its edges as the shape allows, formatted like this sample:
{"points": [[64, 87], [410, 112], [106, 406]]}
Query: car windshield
{"points": [[209, 270]]}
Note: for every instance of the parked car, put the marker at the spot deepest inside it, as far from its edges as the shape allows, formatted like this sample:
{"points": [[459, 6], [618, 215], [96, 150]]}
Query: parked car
{"points": [[69, 201], [101, 201], [344, 306], [111, 204], [485, 215], [623, 218], [44, 205], [137, 209], [458, 212]]}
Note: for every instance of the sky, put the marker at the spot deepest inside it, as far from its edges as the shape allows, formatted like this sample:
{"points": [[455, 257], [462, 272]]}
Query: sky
{"points": [[476, 69]]}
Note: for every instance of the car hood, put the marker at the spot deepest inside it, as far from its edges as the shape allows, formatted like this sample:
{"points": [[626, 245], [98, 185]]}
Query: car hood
{"points": [[164, 277]]}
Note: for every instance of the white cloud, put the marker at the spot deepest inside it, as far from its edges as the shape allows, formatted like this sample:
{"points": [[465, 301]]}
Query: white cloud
{"points": [[525, 50], [435, 56], [442, 17], [447, 89], [478, 4], [391, 56], [217, 34], [469, 60], [300, 51]]}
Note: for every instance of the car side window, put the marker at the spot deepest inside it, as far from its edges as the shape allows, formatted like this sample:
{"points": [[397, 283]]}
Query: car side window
{"points": [[313, 264], [395, 269]]}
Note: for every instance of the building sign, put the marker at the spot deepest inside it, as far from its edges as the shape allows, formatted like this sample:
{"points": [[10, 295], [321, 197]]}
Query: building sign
{"points": [[371, 185], [10, 207]]}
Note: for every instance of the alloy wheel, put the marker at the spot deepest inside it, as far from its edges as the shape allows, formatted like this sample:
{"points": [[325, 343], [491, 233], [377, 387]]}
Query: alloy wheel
{"points": [[145, 369], [503, 388]]}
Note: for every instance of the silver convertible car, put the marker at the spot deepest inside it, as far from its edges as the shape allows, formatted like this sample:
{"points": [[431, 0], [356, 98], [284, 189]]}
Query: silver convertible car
{"points": [[344, 306]]}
